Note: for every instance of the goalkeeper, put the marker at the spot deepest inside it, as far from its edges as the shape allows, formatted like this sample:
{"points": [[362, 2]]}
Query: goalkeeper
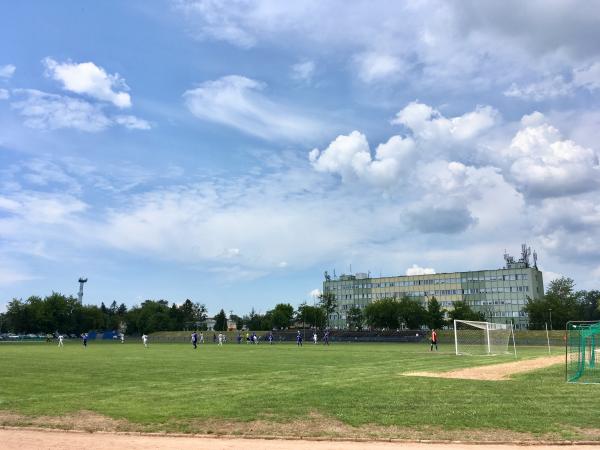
{"points": [[434, 340]]}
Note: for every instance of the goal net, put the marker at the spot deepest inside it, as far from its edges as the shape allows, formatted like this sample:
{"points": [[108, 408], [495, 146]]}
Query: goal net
{"points": [[583, 352], [482, 338]]}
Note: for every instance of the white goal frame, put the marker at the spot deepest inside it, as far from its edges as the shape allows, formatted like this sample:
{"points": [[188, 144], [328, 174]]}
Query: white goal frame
{"points": [[486, 327]]}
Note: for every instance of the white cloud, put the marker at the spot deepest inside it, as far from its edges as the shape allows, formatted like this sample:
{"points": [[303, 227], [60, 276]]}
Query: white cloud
{"points": [[315, 293], [237, 102], [49, 111], [588, 77], [4, 94], [133, 122], [350, 157], [89, 79], [7, 71], [481, 45], [428, 123], [544, 164], [45, 208], [374, 66], [46, 111], [303, 71], [543, 90], [417, 270]]}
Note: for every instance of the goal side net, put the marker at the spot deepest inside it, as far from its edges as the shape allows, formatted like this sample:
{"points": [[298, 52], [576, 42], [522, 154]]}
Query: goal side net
{"points": [[482, 338], [583, 352]]}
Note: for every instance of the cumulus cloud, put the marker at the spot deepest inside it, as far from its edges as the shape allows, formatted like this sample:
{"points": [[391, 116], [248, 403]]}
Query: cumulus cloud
{"points": [[544, 164], [45, 111], [315, 293], [4, 94], [238, 102], [350, 157], [7, 71], [303, 71], [418, 270], [89, 79], [428, 123]]}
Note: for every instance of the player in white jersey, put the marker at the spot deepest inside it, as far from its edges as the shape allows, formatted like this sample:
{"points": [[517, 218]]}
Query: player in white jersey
{"points": [[220, 339], [122, 338], [315, 338], [201, 338], [145, 340], [60, 340]]}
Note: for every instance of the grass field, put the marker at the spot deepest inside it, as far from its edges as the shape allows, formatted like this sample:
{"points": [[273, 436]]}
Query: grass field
{"points": [[341, 390]]}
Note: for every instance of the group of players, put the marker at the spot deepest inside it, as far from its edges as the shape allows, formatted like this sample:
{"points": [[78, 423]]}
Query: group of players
{"points": [[250, 339]]}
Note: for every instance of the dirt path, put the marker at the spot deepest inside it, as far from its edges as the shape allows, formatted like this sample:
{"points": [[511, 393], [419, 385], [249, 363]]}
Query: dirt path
{"points": [[22, 439], [494, 372]]}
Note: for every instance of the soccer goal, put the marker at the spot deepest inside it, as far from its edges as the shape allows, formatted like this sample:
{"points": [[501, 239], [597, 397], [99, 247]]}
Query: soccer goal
{"points": [[483, 338], [583, 352]]}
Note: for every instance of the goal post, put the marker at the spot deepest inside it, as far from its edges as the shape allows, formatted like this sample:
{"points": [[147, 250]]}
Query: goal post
{"points": [[482, 338]]}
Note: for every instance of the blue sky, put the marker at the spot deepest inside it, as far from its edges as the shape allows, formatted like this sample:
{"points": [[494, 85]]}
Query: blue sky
{"points": [[230, 152]]}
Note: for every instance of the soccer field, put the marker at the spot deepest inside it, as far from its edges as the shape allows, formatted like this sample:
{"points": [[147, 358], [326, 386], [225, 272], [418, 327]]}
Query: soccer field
{"points": [[344, 390]]}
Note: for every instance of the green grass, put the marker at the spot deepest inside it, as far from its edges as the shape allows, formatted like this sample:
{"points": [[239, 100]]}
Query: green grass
{"points": [[171, 387]]}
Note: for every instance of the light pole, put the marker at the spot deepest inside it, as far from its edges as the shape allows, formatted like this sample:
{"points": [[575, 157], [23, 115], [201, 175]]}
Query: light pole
{"points": [[550, 309]]}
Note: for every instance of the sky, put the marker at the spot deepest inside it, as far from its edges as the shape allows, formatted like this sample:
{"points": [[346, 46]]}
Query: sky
{"points": [[231, 152]]}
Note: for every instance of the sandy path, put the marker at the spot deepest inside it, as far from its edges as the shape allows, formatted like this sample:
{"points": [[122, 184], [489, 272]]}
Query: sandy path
{"points": [[494, 372], [21, 439]]}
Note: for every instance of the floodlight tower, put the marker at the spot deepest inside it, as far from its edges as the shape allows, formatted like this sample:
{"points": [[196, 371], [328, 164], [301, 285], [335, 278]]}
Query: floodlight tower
{"points": [[80, 294]]}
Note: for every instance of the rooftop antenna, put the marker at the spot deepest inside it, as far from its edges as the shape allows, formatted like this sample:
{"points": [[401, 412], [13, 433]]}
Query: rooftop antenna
{"points": [[525, 254], [535, 259], [82, 281]]}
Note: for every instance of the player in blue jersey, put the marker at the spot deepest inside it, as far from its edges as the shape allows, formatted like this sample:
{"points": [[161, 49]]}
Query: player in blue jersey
{"points": [[299, 339], [195, 340], [270, 338], [84, 338], [326, 338]]}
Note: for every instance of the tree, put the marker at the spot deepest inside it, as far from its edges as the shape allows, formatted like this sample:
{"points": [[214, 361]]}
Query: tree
{"points": [[383, 313], [561, 302], [328, 302], [590, 302], [462, 311], [435, 314], [221, 321], [355, 318], [239, 322], [411, 313], [313, 316], [282, 315]]}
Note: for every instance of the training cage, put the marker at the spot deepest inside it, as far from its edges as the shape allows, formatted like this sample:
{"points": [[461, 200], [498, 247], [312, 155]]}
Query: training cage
{"points": [[582, 352]]}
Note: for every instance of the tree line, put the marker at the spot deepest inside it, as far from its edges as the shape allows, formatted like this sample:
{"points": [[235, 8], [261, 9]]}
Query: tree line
{"points": [[58, 312], [562, 303]]}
